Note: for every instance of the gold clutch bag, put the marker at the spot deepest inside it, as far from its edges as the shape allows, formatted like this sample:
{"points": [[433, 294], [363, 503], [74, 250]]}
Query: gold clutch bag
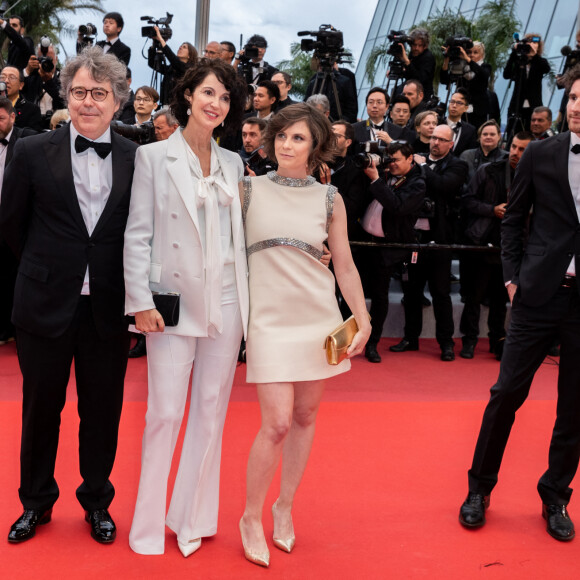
{"points": [[338, 341]]}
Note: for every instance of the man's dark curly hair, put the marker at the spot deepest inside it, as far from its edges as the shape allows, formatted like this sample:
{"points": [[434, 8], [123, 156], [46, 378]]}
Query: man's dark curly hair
{"points": [[570, 77], [226, 75]]}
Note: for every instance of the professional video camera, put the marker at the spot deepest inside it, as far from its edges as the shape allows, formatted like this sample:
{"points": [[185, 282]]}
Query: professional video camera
{"points": [[140, 134], [327, 45], [372, 151], [162, 24], [88, 32], [396, 38], [46, 62], [3, 8], [454, 43], [572, 57], [522, 47]]}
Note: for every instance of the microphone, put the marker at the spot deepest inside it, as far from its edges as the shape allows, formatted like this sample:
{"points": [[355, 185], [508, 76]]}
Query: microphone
{"points": [[566, 50], [516, 36]]}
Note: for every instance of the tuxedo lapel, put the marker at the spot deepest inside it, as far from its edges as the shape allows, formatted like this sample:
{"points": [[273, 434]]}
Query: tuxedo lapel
{"points": [[58, 155], [560, 159], [122, 160]]}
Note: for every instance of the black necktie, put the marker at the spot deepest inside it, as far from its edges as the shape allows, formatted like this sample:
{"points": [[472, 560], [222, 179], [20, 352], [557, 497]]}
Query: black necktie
{"points": [[575, 149], [82, 144], [4, 142]]}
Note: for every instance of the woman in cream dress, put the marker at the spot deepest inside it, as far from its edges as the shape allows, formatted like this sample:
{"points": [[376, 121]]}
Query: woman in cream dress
{"points": [[288, 216]]}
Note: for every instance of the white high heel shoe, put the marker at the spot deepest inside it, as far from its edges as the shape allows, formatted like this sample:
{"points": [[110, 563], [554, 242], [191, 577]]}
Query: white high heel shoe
{"points": [[190, 547]]}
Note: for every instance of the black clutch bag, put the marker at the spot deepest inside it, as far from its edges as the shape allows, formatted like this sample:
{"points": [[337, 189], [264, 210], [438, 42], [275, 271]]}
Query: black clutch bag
{"points": [[167, 303]]}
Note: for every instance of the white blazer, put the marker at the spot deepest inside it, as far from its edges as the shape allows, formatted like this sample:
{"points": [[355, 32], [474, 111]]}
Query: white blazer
{"points": [[163, 249]]}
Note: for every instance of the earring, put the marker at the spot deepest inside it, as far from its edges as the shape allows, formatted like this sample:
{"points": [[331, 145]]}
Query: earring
{"points": [[188, 111], [222, 123]]}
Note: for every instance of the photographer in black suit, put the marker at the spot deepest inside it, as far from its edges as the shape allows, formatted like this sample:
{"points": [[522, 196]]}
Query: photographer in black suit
{"points": [[20, 47], [540, 237], [420, 64], [257, 69], [65, 202], [445, 175], [113, 24], [398, 193]]}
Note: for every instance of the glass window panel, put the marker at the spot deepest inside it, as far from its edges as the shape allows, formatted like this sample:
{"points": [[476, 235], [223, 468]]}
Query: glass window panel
{"points": [[453, 5], [398, 16], [562, 31], [408, 19], [378, 17], [539, 18]]}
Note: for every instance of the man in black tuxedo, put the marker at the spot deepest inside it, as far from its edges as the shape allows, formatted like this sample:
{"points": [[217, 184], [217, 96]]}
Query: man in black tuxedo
{"points": [[464, 134], [540, 256], [64, 208], [113, 24], [9, 134], [257, 70], [376, 127]]}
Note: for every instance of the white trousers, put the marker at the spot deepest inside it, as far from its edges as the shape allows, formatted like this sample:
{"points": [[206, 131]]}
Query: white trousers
{"points": [[193, 511]]}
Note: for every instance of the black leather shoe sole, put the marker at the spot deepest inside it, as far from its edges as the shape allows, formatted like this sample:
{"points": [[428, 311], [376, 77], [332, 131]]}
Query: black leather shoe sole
{"points": [[16, 536]]}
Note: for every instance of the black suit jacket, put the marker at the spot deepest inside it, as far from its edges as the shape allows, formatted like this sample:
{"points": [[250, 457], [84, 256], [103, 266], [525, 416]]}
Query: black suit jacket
{"points": [[17, 133], [20, 50], [531, 84], [541, 182], [467, 139], [444, 187], [28, 115], [41, 220], [362, 131], [120, 50]]}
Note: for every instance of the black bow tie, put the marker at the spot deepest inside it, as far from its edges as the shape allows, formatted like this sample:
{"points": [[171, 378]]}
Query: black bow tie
{"points": [[575, 149], [378, 127], [4, 142], [82, 144], [457, 126], [107, 43]]}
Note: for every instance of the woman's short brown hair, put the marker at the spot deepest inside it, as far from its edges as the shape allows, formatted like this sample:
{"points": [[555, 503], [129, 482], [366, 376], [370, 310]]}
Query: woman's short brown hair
{"points": [[419, 118], [323, 138], [226, 75]]}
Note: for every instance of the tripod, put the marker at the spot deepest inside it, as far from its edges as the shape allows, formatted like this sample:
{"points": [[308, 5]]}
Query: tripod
{"points": [[323, 79], [515, 121]]}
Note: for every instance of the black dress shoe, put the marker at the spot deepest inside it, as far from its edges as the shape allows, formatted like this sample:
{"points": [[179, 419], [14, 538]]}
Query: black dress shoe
{"points": [[405, 345], [24, 527], [558, 522], [447, 353], [468, 350], [498, 348], [472, 512], [140, 348], [371, 353], [103, 528]]}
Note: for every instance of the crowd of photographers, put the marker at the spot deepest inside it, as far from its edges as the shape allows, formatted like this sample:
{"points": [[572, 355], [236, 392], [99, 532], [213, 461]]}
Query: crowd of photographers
{"points": [[413, 172]]}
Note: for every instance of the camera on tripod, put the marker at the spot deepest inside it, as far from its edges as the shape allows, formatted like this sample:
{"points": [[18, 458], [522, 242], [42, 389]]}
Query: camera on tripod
{"points": [[327, 44], [372, 152], [453, 45], [88, 32], [162, 24], [396, 38], [522, 47]]}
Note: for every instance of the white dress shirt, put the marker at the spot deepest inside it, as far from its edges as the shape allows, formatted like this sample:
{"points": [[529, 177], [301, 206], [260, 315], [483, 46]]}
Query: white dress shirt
{"points": [[574, 179], [93, 179], [3, 151]]}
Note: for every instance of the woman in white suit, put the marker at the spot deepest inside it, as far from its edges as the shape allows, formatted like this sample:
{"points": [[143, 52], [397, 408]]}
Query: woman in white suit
{"points": [[184, 234]]}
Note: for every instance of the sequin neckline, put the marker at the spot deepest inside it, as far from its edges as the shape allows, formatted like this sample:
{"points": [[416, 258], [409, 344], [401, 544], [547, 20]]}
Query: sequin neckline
{"points": [[291, 181]]}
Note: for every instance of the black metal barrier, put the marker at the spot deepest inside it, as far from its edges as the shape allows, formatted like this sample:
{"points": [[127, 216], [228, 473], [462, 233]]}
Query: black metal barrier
{"points": [[419, 247]]}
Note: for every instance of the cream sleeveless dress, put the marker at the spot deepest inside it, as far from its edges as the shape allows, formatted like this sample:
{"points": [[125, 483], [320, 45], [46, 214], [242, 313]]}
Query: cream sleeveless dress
{"points": [[292, 295]]}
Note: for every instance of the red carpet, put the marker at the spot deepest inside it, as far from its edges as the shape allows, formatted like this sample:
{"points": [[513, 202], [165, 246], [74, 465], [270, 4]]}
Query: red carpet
{"points": [[379, 499]]}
